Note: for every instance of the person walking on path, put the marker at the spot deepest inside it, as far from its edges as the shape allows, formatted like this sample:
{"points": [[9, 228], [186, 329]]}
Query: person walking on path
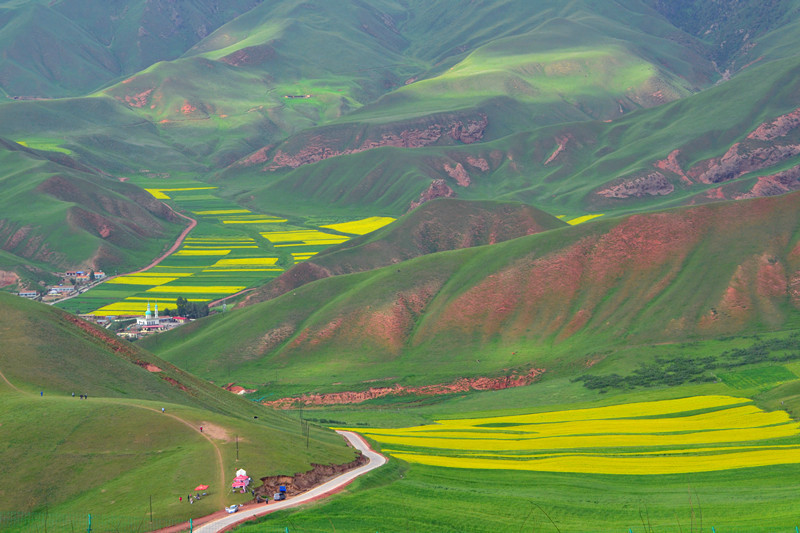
{"points": [[162, 409], [41, 393]]}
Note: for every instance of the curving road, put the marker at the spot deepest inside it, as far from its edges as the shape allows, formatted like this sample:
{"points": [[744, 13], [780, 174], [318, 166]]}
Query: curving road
{"points": [[327, 488]]}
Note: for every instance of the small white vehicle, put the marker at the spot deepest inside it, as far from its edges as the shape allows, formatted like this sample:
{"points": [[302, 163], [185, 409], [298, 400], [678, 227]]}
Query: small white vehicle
{"points": [[232, 509]]}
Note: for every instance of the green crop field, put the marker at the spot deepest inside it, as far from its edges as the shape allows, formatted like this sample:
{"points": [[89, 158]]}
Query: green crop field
{"points": [[414, 495]]}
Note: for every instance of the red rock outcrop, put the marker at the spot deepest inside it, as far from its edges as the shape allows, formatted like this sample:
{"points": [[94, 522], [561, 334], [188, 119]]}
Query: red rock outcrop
{"points": [[670, 164], [8, 278], [319, 147], [459, 174], [470, 132], [138, 100], [562, 144], [437, 189], [775, 184], [460, 385], [779, 127], [237, 389], [303, 481], [652, 184], [478, 162], [739, 160]]}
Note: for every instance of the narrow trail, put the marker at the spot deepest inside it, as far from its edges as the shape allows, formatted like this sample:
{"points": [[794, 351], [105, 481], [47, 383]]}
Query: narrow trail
{"points": [[175, 245], [217, 302], [220, 463], [14, 386], [217, 451]]}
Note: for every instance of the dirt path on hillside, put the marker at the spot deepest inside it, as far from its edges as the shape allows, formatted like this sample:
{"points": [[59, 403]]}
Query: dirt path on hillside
{"points": [[175, 245], [195, 427], [12, 385], [217, 302]]}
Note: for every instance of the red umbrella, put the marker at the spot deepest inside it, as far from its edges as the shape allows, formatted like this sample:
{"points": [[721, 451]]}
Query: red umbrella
{"points": [[201, 487]]}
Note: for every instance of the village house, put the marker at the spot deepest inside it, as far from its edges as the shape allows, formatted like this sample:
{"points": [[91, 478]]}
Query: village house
{"points": [[28, 294], [60, 289]]}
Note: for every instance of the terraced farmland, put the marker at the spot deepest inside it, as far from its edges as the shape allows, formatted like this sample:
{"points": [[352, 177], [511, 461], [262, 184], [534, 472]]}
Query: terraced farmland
{"points": [[231, 249], [696, 434]]}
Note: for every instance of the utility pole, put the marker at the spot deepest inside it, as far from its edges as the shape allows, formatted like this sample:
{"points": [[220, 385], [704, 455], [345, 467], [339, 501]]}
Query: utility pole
{"points": [[237, 447], [151, 508]]}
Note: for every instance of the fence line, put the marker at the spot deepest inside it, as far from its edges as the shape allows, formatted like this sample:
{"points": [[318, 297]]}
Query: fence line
{"points": [[13, 521]]}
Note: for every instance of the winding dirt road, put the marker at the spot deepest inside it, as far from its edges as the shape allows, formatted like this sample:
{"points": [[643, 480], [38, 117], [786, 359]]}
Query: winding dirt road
{"points": [[175, 246]]}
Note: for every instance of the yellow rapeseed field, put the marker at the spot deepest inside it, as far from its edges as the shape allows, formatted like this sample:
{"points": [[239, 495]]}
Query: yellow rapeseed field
{"points": [[245, 270], [634, 438], [199, 289], [256, 261], [164, 299], [140, 280], [256, 221], [220, 240], [361, 227], [159, 193], [222, 212], [304, 236], [202, 252], [161, 274], [200, 246], [617, 465], [580, 220]]}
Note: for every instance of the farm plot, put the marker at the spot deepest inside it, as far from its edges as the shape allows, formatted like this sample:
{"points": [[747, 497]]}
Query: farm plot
{"points": [[361, 227], [231, 248], [697, 434]]}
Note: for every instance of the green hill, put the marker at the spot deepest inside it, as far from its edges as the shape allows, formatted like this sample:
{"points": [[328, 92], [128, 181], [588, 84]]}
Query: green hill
{"points": [[437, 226], [503, 101], [64, 457], [59, 214], [552, 300], [66, 48]]}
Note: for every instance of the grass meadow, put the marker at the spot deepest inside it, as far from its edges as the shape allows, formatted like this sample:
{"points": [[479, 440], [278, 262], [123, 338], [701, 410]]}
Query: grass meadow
{"points": [[496, 489]]}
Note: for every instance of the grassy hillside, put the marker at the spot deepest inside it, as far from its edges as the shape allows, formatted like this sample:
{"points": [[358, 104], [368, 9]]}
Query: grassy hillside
{"points": [[502, 101], [553, 300], [62, 214], [106, 455], [437, 226], [645, 160], [66, 48]]}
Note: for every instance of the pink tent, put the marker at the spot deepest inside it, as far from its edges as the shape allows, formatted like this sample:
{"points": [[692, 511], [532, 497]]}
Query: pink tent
{"points": [[240, 481]]}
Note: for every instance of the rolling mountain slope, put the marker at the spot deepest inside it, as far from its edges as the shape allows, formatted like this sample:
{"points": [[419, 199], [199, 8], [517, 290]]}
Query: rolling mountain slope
{"points": [[438, 226], [545, 301], [399, 103], [648, 159], [67, 48], [100, 455], [60, 213]]}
